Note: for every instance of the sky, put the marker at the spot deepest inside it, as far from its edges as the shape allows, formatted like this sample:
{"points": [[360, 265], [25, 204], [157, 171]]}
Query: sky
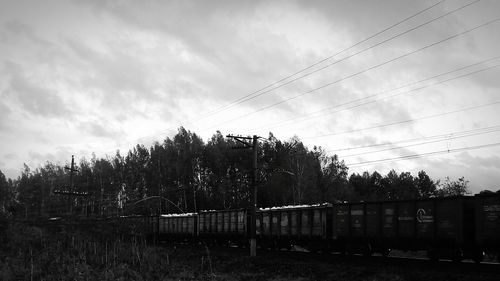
{"points": [[400, 84]]}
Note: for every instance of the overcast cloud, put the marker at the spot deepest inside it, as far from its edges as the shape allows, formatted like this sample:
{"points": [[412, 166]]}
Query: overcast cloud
{"points": [[78, 77]]}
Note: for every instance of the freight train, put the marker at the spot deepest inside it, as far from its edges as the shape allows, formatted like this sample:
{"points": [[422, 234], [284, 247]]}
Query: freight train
{"points": [[462, 227]]}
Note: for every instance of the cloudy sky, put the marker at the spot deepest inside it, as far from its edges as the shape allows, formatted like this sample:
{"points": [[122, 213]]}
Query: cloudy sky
{"points": [[78, 77]]}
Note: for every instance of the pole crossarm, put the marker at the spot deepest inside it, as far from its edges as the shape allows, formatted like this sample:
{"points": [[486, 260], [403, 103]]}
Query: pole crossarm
{"points": [[245, 141], [70, 193]]}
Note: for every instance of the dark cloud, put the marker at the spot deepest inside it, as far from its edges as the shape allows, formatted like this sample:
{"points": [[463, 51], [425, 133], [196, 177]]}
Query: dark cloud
{"points": [[32, 96], [194, 22], [59, 154], [211, 32], [101, 128], [480, 175], [115, 74], [10, 156], [17, 29], [129, 62], [364, 140], [490, 162], [4, 116]]}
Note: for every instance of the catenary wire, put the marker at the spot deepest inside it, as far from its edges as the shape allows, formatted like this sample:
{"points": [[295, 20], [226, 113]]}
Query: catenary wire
{"points": [[254, 94], [336, 54], [327, 111], [413, 139], [355, 74], [420, 155], [354, 54], [421, 143], [404, 121]]}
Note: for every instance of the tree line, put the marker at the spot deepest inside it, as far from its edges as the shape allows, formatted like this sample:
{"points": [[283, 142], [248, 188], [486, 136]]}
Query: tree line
{"points": [[186, 174]]}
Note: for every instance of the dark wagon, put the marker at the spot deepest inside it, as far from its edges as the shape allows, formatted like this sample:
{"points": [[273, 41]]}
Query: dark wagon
{"points": [[357, 228], [223, 227], [444, 227], [488, 223], [283, 227], [178, 227], [461, 227]]}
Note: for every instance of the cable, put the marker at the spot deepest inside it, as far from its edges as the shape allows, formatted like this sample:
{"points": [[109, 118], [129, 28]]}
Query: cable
{"points": [[420, 155], [317, 114], [354, 54], [239, 100], [251, 95], [404, 121], [412, 140], [422, 143], [357, 73]]}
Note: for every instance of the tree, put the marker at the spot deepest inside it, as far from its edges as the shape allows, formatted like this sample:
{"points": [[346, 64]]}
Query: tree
{"points": [[5, 193], [275, 178], [454, 188], [360, 185], [306, 170], [425, 186], [390, 184], [377, 188], [406, 188], [333, 182]]}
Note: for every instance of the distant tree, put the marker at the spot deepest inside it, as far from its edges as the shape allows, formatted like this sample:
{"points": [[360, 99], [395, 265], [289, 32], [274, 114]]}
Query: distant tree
{"points": [[189, 147], [306, 168], [454, 188], [360, 185], [106, 187], [406, 188], [400, 186], [378, 191], [135, 169], [26, 191], [333, 178], [390, 185], [425, 186], [275, 180], [5, 193]]}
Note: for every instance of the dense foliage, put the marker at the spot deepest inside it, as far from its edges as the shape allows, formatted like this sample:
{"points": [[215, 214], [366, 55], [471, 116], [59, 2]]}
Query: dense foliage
{"points": [[189, 175]]}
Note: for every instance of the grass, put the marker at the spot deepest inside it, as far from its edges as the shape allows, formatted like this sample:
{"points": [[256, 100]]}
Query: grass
{"points": [[96, 253]]}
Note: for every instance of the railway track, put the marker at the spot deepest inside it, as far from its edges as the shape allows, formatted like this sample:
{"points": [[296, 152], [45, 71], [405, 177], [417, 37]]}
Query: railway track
{"points": [[394, 262]]}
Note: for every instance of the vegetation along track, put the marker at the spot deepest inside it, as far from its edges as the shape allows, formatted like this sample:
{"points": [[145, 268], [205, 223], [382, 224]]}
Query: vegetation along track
{"points": [[409, 263]]}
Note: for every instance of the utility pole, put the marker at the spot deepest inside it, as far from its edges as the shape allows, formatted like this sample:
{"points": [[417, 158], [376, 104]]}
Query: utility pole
{"points": [[70, 192], [71, 169], [253, 210], [71, 183]]}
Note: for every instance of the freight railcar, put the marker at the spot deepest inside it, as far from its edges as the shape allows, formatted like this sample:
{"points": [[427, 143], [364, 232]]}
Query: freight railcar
{"points": [[283, 227], [453, 227], [223, 227], [444, 227], [178, 227], [487, 208]]}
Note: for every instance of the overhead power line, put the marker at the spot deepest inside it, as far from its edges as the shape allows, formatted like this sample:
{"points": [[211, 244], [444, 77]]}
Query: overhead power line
{"points": [[448, 138], [420, 155], [350, 56], [404, 121], [357, 73], [415, 139], [328, 110], [270, 87], [239, 100]]}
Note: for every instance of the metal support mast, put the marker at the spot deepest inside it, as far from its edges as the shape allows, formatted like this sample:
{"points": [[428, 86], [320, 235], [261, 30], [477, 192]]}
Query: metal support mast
{"points": [[253, 210]]}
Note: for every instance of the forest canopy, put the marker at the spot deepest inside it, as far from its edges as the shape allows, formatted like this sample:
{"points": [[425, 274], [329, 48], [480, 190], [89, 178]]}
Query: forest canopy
{"points": [[186, 174]]}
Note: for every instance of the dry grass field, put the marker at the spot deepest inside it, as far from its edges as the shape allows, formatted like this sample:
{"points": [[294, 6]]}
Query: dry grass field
{"points": [[33, 253]]}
